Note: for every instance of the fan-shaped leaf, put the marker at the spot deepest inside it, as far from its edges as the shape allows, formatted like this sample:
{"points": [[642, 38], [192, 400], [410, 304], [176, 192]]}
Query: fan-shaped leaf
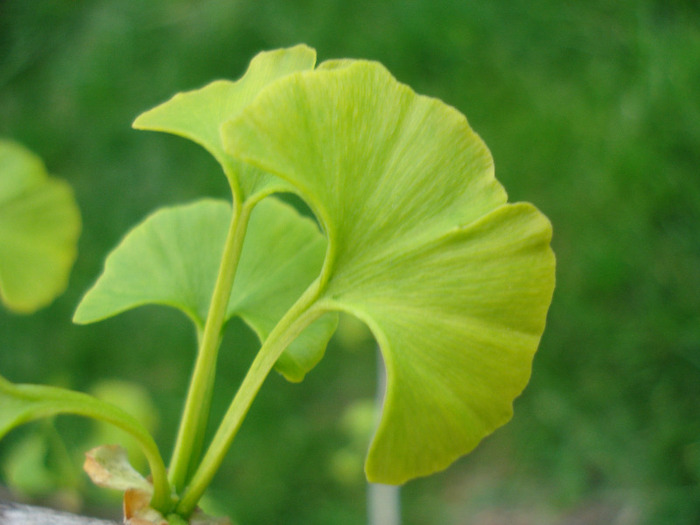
{"points": [[454, 283], [198, 115], [172, 258], [39, 229]]}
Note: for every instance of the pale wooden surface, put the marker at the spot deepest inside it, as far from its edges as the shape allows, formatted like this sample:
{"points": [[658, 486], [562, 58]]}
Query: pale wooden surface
{"points": [[19, 514]]}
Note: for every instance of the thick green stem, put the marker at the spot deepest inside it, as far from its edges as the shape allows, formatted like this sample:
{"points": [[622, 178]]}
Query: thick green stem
{"points": [[194, 420], [289, 327]]}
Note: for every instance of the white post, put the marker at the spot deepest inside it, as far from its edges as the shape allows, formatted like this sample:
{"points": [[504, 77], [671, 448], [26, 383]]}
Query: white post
{"points": [[383, 501]]}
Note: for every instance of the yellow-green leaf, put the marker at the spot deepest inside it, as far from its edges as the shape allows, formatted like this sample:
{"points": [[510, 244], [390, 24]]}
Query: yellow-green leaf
{"points": [[454, 282], [197, 115], [39, 229], [172, 259]]}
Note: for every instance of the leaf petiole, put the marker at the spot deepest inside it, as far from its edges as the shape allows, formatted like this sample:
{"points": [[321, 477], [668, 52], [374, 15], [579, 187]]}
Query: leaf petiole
{"points": [[297, 318], [194, 419]]}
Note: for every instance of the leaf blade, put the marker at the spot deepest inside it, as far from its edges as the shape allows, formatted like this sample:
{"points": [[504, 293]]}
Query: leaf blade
{"points": [[171, 258], [466, 351], [197, 115], [391, 176]]}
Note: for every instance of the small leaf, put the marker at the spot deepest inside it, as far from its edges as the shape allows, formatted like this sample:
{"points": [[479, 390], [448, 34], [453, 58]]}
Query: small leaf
{"points": [[39, 229], [453, 282], [197, 115], [172, 258], [108, 466]]}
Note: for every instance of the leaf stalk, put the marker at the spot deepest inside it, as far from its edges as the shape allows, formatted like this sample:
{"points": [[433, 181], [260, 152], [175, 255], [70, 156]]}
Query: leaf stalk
{"points": [[297, 318], [52, 401], [190, 438]]}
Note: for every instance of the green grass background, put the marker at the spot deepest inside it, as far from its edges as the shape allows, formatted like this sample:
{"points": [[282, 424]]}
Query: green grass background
{"points": [[592, 112]]}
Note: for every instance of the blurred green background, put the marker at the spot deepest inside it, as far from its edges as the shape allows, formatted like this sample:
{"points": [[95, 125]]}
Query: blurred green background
{"points": [[592, 112]]}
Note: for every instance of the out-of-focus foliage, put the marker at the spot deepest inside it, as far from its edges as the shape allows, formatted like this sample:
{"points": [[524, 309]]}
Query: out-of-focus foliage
{"points": [[39, 229], [591, 112]]}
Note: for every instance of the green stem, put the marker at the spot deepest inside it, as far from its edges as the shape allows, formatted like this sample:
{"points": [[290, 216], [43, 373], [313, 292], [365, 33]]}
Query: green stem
{"points": [[49, 401], [299, 316], [194, 420]]}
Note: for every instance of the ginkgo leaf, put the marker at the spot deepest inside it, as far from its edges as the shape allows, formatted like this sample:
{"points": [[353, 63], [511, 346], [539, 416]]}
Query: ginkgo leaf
{"points": [[197, 115], [39, 229], [172, 258], [454, 282]]}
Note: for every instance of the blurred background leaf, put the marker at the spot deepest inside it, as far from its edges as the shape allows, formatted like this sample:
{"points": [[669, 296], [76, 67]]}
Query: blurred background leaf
{"points": [[39, 230], [591, 111]]}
